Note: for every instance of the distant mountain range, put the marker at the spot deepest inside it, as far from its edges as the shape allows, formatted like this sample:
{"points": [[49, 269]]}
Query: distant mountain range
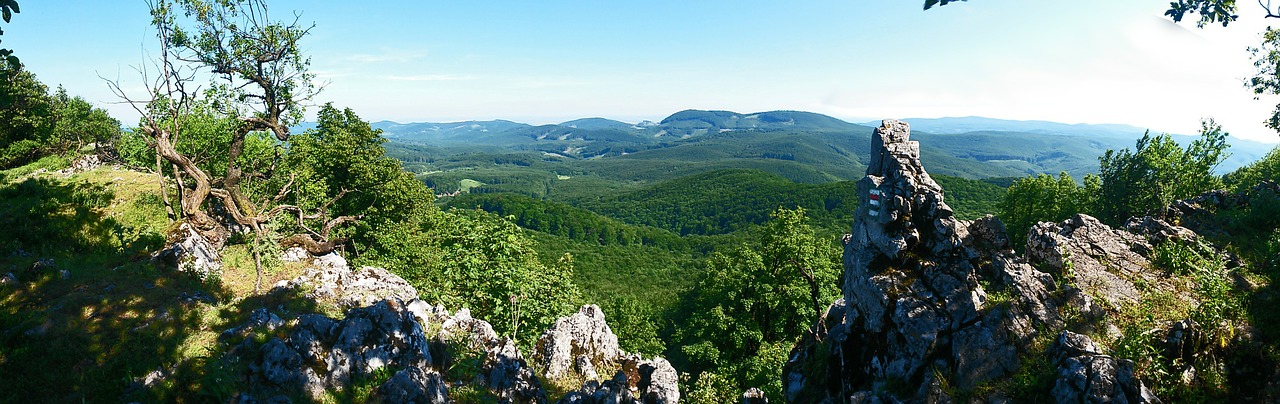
{"points": [[973, 147]]}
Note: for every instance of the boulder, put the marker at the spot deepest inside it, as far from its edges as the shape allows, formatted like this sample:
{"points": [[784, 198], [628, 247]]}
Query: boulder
{"points": [[577, 345], [191, 252], [1086, 375], [583, 347], [754, 396], [1098, 259], [9, 279], [329, 279], [414, 385], [320, 354]]}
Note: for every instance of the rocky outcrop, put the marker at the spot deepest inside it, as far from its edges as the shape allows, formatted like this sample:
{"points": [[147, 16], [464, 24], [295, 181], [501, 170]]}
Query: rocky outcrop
{"points": [[933, 301], [190, 252], [581, 348], [1087, 375], [919, 293], [319, 354], [414, 385], [754, 396], [1199, 213], [1103, 261], [430, 351], [329, 279], [578, 345]]}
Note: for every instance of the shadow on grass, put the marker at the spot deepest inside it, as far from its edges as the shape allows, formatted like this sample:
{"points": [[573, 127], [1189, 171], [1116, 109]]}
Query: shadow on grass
{"points": [[95, 317]]}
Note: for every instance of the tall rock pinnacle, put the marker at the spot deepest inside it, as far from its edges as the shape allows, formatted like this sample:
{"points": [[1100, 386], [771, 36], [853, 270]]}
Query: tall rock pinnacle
{"points": [[916, 314]]}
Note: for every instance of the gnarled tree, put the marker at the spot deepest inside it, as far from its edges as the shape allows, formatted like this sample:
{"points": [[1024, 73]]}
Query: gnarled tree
{"points": [[260, 76]]}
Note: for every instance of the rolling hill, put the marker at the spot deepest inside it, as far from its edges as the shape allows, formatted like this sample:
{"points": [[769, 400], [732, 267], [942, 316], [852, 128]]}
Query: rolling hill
{"points": [[800, 146]]}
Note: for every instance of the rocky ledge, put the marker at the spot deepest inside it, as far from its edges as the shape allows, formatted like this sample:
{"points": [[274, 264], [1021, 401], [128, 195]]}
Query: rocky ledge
{"points": [[934, 305], [432, 354]]}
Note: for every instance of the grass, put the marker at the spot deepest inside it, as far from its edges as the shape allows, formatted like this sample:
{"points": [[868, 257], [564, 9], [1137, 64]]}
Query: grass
{"points": [[114, 317], [466, 184]]}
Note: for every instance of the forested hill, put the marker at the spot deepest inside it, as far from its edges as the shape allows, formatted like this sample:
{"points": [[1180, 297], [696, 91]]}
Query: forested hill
{"points": [[801, 146]]}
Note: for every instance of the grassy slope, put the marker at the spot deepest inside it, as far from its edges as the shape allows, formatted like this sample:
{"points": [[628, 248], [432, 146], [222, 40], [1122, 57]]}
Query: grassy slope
{"points": [[115, 317]]}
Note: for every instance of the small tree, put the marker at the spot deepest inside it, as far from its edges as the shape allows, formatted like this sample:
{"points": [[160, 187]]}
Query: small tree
{"points": [[260, 77], [1042, 198], [755, 301], [1158, 172]]}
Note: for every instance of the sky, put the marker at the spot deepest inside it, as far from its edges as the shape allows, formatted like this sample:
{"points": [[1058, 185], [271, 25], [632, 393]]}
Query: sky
{"points": [[1086, 61]]}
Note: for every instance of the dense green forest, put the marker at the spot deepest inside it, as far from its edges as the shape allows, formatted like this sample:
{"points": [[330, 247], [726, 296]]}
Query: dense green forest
{"points": [[711, 238]]}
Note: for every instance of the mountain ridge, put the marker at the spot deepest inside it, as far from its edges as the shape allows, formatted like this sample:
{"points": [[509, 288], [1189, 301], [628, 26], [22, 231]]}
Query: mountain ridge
{"points": [[987, 147]]}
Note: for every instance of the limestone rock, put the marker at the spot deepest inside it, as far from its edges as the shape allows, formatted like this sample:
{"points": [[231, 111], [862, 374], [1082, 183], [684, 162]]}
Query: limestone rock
{"points": [[612, 391], [1085, 375], [754, 396], [414, 385], [1158, 231], [83, 163], [659, 382], [920, 290], [577, 344], [329, 279], [295, 254], [582, 346], [191, 253], [1102, 261], [320, 353]]}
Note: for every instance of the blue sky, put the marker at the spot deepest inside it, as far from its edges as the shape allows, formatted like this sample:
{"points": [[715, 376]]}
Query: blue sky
{"points": [[1087, 61]]}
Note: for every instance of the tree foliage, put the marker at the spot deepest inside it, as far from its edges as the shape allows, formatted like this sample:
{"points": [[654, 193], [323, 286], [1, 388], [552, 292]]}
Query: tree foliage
{"points": [[7, 9], [754, 302], [1042, 198], [1211, 11], [1158, 171], [928, 4], [1265, 169], [490, 266], [35, 122], [260, 80]]}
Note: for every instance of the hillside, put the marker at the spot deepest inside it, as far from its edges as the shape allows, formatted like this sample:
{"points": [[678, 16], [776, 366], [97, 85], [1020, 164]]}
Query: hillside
{"points": [[1098, 136], [800, 146]]}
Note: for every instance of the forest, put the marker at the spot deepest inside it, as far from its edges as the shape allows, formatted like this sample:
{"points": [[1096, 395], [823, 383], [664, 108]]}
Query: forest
{"points": [[717, 251]]}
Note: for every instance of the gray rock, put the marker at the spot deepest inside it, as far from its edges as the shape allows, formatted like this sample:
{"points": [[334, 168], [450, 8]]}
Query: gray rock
{"points": [[659, 382], [1158, 231], [9, 279], [1183, 341], [510, 378], [280, 364], [576, 344], [919, 289], [582, 345], [191, 253], [295, 254], [754, 396], [1098, 259], [329, 279], [414, 385], [321, 354], [1084, 375]]}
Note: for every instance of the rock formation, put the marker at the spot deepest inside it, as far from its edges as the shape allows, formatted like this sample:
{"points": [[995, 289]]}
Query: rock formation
{"points": [[581, 348], [930, 300], [190, 252], [329, 279], [428, 350]]}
